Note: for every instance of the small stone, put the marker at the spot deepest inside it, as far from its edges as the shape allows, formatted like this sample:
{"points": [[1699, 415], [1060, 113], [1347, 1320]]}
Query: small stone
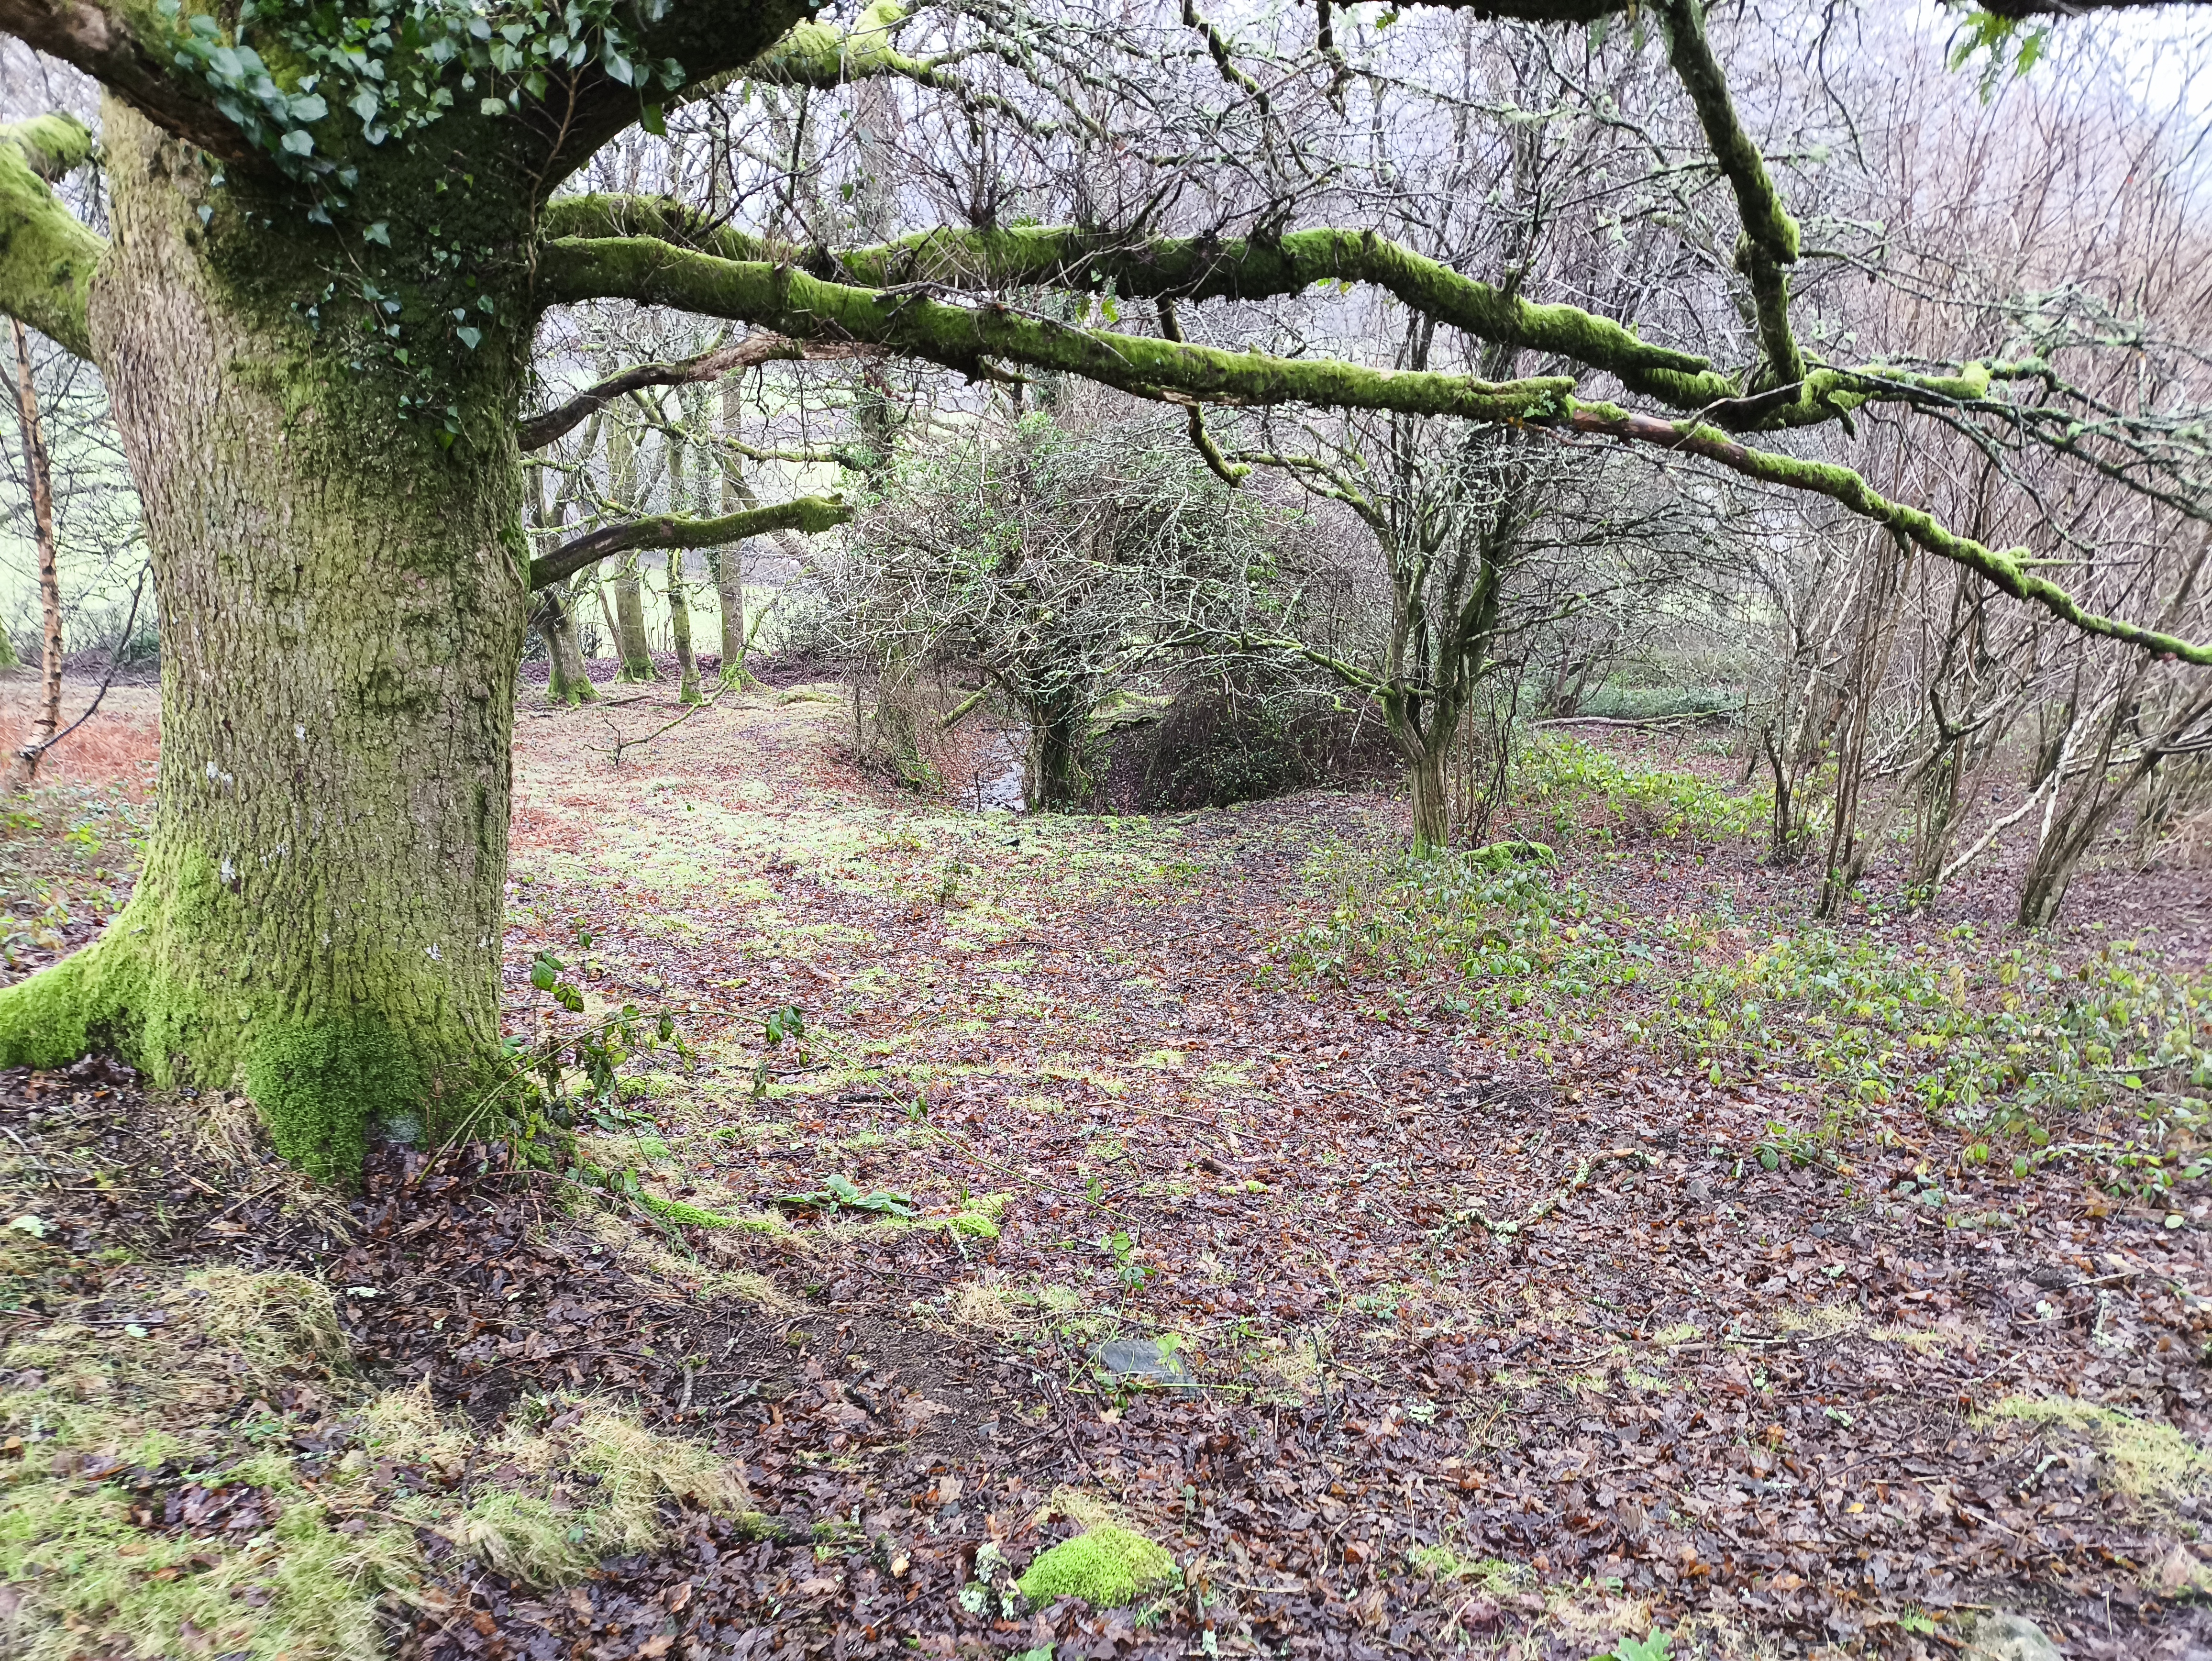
{"points": [[2003, 1637], [1140, 1358]]}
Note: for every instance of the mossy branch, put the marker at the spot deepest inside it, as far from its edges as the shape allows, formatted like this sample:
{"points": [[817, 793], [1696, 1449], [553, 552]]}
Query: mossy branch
{"points": [[813, 54], [1183, 268], [809, 513], [46, 253], [790, 302], [1217, 45], [102, 42], [968, 338], [2007, 570], [1769, 247]]}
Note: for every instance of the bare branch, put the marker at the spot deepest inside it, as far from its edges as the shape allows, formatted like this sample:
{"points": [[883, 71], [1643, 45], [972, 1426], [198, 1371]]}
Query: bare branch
{"points": [[539, 430], [809, 513]]}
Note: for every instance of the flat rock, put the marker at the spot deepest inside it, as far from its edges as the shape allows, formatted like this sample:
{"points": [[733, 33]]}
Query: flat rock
{"points": [[2003, 1637], [1140, 1358]]}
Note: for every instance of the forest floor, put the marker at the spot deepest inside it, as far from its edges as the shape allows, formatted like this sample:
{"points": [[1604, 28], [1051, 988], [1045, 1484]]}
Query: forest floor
{"points": [[1580, 1258]]}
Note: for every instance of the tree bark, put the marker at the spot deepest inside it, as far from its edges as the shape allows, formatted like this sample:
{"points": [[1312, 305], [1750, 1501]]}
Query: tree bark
{"points": [[730, 562], [1058, 780], [568, 681], [630, 643], [38, 474], [679, 626], [1432, 792], [318, 918]]}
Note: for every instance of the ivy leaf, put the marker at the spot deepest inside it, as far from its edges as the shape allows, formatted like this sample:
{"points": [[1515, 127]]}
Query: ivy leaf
{"points": [[491, 106], [619, 67], [651, 119], [298, 142], [310, 107], [379, 232], [365, 105], [469, 337]]}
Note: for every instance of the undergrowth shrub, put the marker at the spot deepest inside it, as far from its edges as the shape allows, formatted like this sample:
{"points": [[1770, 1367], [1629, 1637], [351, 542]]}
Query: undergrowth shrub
{"points": [[1562, 786], [1264, 736], [2007, 1045], [1494, 916], [2007, 1037]]}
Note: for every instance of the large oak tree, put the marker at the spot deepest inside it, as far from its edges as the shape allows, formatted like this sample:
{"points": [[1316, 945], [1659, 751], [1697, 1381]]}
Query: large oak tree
{"points": [[332, 229]]}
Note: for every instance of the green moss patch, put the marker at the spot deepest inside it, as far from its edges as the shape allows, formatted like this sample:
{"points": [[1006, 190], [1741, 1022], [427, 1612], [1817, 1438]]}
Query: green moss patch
{"points": [[317, 1084], [692, 1216], [1105, 1566]]}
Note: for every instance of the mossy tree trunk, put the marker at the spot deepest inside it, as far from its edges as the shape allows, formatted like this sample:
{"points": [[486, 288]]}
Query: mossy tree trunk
{"points": [[566, 679], [679, 627], [38, 473], [318, 918], [729, 573], [729, 563], [1432, 792], [636, 651], [1059, 778]]}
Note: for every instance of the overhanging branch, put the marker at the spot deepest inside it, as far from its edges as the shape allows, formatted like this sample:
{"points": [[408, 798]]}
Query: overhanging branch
{"points": [[1181, 268], [2005, 569], [1769, 247], [968, 338], [46, 253], [103, 44], [809, 513]]}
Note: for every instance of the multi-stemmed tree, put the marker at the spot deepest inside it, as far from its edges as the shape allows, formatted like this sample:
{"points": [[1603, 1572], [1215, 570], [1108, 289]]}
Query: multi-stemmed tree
{"points": [[332, 229]]}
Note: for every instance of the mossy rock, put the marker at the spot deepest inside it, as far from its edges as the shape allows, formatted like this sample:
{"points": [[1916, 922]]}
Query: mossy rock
{"points": [[1105, 1566]]}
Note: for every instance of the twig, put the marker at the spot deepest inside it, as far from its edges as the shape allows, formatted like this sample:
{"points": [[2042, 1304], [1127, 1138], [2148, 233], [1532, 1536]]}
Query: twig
{"points": [[32, 752], [1445, 1230]]}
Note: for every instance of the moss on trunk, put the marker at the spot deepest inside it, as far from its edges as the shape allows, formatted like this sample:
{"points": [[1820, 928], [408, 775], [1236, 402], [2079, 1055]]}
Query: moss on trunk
{"points": [[679, 627], [320, 917], [636, 652]]}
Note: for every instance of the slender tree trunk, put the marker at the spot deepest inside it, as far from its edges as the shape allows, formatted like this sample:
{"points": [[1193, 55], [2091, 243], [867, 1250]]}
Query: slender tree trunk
{"points": [[730, 562], [319, 916], [38, 473], [631, 646], [679, 601], [729, 573], [568, 680], [635, 650], [679, 626], [1432, 792]]}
